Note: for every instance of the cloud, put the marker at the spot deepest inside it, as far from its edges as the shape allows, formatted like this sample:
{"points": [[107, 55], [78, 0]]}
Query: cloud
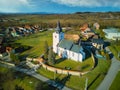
{"points": [[89, 3], [14, 5]]}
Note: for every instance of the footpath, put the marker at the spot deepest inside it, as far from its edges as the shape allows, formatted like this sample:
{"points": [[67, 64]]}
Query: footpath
{"points": [[35, 75]]}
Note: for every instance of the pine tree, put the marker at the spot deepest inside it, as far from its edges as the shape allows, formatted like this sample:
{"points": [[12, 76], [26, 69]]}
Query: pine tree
{"points": [[51, 57], [45, 50], [14, 58]]}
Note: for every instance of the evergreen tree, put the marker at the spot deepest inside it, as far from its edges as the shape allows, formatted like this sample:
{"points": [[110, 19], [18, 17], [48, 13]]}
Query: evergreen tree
{"points": [[14, 58], [51, 57], [45, 50]]}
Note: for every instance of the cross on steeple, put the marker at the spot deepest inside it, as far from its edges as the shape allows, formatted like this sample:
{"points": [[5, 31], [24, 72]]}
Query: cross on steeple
{"points": [[58, 28]]}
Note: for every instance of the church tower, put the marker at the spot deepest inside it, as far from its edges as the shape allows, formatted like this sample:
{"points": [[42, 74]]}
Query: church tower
{"points": [[58, 35]]}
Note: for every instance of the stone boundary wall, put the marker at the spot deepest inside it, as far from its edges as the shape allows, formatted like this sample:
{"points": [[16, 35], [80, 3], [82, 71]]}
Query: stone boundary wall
{"points": [[62, 71]]}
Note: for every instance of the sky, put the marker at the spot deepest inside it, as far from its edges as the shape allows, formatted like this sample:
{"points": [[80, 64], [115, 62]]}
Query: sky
{"points": [[58, 6]]}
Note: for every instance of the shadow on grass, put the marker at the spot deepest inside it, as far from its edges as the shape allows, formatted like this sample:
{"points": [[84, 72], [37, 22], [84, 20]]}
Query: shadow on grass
{"points": [[58, 83], [23, 57], [93, 81], [61, 83], [85, 66], [60, 60], [22, 48], [19, 75], [96, 62]]}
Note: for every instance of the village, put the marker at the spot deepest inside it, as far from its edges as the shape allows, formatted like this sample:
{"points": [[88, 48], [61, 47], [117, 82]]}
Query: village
{"points": [[88, 37], [59, 44], [89, 43]]}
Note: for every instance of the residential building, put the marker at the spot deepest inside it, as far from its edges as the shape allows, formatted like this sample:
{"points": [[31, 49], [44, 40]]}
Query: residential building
{"points": [[112, 33]]}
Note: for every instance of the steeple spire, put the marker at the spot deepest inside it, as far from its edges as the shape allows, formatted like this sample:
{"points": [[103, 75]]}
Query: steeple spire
{"points": [[58, 28]]}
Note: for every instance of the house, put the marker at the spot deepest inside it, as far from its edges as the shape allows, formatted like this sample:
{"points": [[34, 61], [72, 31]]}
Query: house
{"points": [[112, 33], [86, 31], [96, 26], [66, 48], [85, 27], [14, 33]]}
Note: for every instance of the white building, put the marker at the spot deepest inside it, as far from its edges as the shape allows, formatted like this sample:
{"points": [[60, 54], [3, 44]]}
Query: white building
{"points": [[112, 33], [66, 48]]}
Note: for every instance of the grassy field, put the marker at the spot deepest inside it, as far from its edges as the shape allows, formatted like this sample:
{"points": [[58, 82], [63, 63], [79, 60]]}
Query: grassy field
{"points": [[115, 49], [78, 83], [36, 41], [21, 80], [115, 85], [80, 66]]}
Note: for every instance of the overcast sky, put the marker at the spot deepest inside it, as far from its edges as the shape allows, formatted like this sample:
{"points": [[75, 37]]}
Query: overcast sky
{"points": [[59, 6]]}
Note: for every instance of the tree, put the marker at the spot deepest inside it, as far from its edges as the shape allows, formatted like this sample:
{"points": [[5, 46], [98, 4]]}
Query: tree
{"points": [[51, 57], [107, 56], [45, 50], [42, 86], [7, 78], [14, 58]]}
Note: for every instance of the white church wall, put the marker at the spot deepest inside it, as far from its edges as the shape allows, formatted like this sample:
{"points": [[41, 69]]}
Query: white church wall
{"points": [[80, 57], [73, 56], [60, 51], [57, 37]]}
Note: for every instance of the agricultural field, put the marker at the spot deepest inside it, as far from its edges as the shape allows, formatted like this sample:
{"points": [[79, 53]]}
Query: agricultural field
{"points": [[74, 20]]}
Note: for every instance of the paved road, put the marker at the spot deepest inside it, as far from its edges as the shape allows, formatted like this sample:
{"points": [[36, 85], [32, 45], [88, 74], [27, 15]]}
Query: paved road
{"points": [[38, 76], [113, 70]]}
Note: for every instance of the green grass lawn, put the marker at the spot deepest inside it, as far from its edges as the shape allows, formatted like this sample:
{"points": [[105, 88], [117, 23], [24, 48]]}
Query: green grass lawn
{"points": [[24, 81], [36, 41], [80, 66], [78, 83], [115, 84], [115, 49]]}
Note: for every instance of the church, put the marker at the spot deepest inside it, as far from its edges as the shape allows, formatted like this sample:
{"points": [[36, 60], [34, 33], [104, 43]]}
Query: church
{"points": [[66, 48]]}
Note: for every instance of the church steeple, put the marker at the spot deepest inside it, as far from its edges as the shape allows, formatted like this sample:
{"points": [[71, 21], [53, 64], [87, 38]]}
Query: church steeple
{"points": [[58, 28]]}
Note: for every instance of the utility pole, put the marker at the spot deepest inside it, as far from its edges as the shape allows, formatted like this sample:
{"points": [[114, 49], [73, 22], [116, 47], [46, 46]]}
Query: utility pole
{"points": [[54, 75], [86, 82]]}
